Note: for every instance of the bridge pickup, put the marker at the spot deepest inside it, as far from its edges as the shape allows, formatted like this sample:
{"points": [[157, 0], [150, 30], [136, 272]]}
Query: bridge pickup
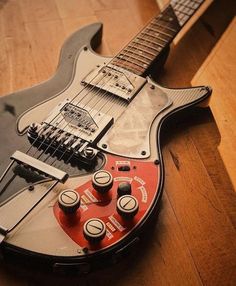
{"points": [[41, 167], [115, 80]]}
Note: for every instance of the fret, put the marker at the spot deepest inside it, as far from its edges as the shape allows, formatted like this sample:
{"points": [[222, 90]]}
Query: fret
{"points": [[155, 36], [140, 53], [158, 32], [143, 50], [156, 49], [164, 27], [144, 47], [129, 60], [133, 56], [129, 66], [185, 9], [151, 42]]}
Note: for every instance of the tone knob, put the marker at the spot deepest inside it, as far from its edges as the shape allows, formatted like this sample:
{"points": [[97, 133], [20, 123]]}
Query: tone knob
{"points": [[127, 206], [94, 230], [69, 201], [124, 188], [102, 181]]}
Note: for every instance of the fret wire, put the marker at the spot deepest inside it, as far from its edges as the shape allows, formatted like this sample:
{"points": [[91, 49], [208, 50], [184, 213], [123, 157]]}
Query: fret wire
{"points": [[120, 56], [151, 42], [160, 32], [140, 55], [136, 70], [164, 27], [148, 46], [144, 50], [156, 37], [132, 62]]}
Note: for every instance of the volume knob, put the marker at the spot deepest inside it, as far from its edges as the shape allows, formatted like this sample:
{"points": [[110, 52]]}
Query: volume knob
{"points": [[94, 230], [69, 201], [102, 181], [127, 206], [124, 188]]}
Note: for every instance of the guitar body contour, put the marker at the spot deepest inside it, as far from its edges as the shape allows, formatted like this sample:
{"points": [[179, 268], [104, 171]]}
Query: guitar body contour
{"points": [[129, 151]]}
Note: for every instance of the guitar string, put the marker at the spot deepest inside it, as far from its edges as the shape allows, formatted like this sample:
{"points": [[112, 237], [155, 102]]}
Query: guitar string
{"points": [[67, 123], [72, 101], [127, 46], [63, 129], [97, 112], [58, 114], [136, 42]]}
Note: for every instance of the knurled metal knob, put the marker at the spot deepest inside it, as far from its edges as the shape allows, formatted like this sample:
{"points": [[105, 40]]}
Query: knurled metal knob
{"points": [[94, 230], [127, 206], [69, 201], [102, 181]]}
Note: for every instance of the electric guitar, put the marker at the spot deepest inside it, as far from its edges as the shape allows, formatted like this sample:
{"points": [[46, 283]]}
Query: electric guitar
{"points": [[81, 170]]}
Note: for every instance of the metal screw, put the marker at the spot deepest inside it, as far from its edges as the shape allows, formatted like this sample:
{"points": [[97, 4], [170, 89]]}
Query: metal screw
{"points": [[156, 162], [104, 146], [31, 188], [85, 48], [143, 153], [152, 86], [89, 152], [85, 250]]}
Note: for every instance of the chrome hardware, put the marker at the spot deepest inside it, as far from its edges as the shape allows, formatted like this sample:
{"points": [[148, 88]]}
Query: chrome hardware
{"points": [[116, 81], [39, 166], [69, 130]]}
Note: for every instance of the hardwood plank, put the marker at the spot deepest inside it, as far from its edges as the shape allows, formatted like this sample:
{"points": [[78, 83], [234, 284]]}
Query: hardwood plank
{"points": [[115, 34], [43, 10], [193, 240], [107, 5], [207, 229], [222, 62], [16, 54], [74, 9], [46, 46]]}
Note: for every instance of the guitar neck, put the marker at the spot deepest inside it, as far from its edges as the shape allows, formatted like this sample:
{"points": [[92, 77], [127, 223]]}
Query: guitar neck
{"points": [[145, 48]]}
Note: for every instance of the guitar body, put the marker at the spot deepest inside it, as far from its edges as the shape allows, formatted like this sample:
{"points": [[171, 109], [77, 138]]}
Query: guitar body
{"points": [[128, 150]]}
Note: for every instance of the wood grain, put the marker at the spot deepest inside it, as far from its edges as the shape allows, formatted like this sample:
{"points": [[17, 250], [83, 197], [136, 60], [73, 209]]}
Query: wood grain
{"points": [[219, 70], [192, 242]]}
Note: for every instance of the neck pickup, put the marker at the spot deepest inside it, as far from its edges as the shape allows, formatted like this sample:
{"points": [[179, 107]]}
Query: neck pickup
{"points": [[116, 81]]}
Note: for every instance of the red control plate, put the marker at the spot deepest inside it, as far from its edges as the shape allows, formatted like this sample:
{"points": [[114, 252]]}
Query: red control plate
{"points": [[144, 178]]}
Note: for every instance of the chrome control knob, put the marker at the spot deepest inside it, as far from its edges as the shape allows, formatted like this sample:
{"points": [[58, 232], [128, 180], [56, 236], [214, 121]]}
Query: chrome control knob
{"points": [[69, 201], [127, 206], [102, 181], [94, 230]]}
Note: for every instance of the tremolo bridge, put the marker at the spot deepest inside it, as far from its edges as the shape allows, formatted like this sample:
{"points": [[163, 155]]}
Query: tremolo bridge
{"points": [[69, 131]]}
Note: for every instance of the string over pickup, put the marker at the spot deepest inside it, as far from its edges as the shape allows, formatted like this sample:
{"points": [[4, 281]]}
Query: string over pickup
{"points": [[41, 167], [116, 81]]}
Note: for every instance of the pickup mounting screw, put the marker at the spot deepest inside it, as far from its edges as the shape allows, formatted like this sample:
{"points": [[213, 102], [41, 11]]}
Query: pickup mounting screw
{"points": [[143, 153], [31, 188]]}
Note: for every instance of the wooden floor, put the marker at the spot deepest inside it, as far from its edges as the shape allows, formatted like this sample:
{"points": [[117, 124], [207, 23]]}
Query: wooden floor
{"points": [[194, 238]]}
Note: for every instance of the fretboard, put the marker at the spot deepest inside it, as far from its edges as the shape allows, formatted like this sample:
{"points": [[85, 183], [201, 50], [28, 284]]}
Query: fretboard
{"points": [[145, 48]]}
